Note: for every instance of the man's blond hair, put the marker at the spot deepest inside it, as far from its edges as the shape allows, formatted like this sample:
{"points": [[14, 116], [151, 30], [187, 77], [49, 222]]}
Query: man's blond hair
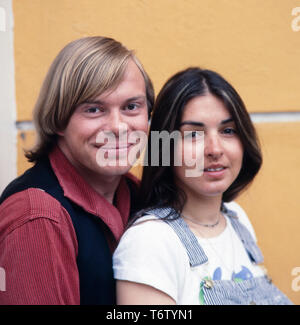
{"points": [[82, 70]]}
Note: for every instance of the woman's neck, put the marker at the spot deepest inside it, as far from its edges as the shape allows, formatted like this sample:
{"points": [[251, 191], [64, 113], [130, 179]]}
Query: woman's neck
{"points": [[204, 217], [204, 210]]}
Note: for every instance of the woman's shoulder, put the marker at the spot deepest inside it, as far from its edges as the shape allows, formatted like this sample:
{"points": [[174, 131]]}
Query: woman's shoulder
{"points": [[148, 236], [241, 215], [149, 225]]}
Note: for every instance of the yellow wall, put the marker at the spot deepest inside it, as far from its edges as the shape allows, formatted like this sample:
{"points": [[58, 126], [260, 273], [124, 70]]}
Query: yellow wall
{"points": [[272, 202], [250, 42]]}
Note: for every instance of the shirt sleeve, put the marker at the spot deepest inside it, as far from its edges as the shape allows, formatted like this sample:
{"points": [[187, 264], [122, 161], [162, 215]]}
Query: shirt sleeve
{"points": [[38, 251], [151, 253]]}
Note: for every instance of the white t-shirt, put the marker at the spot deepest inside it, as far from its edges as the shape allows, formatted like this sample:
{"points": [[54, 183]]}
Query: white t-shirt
{"points": [[151, 253]]}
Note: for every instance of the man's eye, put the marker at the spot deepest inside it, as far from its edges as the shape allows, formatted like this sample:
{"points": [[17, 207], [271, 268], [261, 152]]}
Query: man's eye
{"points": [[93, 110], [132, 106]]}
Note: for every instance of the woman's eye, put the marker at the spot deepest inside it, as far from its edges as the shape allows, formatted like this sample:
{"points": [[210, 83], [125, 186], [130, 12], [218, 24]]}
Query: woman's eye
{"points": [[229, 131], [193, 134]]}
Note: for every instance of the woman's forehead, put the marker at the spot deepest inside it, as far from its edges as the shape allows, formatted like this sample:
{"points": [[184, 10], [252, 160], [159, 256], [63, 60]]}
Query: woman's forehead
{"points": [[204, 110]]}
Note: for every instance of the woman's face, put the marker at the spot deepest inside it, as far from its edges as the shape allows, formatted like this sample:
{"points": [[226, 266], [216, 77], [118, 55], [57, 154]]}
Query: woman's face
{"points": [[221, 148]]}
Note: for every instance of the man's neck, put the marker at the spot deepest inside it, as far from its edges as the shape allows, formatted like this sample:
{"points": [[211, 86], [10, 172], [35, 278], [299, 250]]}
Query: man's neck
{"points": [[105, 186]]}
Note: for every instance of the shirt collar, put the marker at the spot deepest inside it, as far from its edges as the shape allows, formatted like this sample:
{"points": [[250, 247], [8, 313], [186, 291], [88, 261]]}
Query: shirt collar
{"points": [[80, 192]]}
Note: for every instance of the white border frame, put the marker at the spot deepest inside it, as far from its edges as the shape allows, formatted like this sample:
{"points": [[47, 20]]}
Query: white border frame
{"points": [[8, 131]]}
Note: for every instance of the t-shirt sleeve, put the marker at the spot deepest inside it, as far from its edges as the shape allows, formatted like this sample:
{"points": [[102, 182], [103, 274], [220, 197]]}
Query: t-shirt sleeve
{"points": [[151, 253]]}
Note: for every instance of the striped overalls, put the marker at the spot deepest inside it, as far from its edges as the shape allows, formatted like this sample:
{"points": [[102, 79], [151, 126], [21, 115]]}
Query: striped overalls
{"points": [[256, 290]]}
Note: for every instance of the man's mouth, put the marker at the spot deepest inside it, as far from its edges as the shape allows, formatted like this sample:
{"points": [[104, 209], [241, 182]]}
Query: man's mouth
{"points": [[117, 147]]}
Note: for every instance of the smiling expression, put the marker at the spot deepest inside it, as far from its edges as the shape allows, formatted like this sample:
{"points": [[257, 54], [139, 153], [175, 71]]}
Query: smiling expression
{"points": [[223, 150], [113, 113]]}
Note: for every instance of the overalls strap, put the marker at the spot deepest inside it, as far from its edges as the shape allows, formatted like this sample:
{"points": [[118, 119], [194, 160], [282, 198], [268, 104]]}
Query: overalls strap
{"points": [[244, 234], [194, 250]]}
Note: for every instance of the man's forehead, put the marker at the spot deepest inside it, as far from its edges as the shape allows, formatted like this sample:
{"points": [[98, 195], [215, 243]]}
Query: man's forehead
{"points": [[132, 85], [107, 98]]}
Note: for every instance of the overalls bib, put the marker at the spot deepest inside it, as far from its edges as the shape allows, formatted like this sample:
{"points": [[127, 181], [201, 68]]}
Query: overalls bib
{"points": [[253, 291]]}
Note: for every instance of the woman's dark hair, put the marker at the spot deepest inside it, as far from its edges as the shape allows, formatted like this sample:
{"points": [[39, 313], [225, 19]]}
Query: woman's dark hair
{"points": [[158, 188]]}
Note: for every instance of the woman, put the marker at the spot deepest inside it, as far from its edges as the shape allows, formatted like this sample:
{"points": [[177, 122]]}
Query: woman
{"points": [[196, 245]]}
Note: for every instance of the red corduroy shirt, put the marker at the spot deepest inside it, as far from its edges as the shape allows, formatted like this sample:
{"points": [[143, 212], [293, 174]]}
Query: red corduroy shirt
{"points": [[38, 245]]}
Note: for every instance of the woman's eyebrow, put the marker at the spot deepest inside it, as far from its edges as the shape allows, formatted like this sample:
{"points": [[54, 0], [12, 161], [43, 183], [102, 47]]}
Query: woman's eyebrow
{"points": [[191, 123], [228, 120]]}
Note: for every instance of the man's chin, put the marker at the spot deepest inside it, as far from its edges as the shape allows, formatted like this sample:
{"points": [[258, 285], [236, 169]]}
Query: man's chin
{"points": [[114, 170]]}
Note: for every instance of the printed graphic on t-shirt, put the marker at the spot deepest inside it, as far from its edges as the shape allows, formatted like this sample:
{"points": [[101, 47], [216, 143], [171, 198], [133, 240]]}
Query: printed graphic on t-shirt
{"points": [[243, 274]]}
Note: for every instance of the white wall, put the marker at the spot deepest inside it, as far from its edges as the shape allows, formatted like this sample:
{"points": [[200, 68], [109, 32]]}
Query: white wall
{"points": [[8, 131]]}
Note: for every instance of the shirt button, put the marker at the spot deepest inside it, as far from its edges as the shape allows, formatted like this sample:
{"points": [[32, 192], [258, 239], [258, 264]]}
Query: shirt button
{"points": [[208, 284]]}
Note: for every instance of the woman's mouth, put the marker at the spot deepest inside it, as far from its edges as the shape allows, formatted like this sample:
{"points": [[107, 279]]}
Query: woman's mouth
{"points": [[215, 171]]}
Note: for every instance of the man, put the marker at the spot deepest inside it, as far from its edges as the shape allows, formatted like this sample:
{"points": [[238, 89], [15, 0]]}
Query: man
{"points": [[61, 220]]}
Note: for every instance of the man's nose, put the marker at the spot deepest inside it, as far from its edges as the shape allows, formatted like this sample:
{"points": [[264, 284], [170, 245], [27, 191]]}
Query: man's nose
{"points": [[213, 147], [116, 123]]}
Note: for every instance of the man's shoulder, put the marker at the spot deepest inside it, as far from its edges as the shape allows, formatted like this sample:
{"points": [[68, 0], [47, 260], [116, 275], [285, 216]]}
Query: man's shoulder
{"points": [[26, 206]]}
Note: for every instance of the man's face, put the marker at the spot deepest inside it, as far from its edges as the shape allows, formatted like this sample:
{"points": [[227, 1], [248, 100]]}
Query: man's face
{"points": [[96, 138]]}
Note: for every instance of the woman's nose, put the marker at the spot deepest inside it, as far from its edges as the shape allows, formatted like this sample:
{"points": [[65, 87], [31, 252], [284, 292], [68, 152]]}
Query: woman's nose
{"points": [[213, 146]]}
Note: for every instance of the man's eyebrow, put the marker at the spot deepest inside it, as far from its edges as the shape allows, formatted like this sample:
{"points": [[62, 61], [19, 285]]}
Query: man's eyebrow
{"points": [[139, 97], [102, 102], [228, 120], [92, 101]]}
